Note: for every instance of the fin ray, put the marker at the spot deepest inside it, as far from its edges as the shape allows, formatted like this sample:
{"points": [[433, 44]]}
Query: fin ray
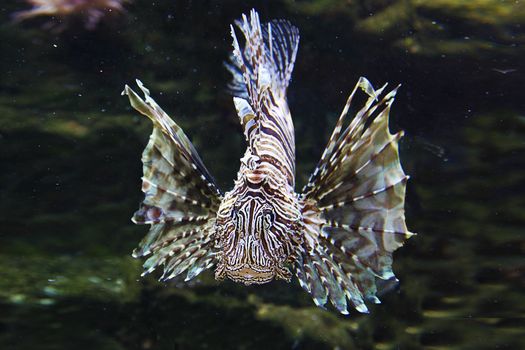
{"points": [[262, 70], [353, 204], [181, 197]]}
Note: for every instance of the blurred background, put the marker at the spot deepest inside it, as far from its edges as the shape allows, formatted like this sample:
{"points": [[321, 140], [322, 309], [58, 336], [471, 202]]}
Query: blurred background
{"points": [[70, 170]]}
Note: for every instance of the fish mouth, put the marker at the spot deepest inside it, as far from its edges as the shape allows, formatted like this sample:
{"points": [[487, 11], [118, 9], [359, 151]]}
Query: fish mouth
{"points": [[250, 274]]}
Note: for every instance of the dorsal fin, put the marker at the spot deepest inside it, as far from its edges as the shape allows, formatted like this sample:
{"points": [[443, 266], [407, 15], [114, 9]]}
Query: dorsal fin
{"points": [[261, 70], [265, 61]]}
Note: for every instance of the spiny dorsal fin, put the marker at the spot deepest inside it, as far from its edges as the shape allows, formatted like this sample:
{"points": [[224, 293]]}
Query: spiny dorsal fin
{"points": [[261, 70], [266, 59]]}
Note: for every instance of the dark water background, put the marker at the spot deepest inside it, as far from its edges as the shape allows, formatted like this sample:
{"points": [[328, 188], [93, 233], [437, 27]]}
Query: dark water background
{"points": [[70, 173]]}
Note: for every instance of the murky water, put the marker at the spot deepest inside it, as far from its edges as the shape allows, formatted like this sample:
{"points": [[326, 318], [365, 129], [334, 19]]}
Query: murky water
{"points": [[70, 172]]}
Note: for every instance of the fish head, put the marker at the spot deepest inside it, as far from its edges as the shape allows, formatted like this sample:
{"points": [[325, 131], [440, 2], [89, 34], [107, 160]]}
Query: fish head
{"points": [[253, 242]]}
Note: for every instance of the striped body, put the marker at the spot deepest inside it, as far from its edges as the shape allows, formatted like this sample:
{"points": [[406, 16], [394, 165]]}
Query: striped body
{"points": [[337, 235]]}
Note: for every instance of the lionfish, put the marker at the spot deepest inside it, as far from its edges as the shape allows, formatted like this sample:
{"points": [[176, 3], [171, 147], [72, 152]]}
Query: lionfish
{"points": [[91, 11], [337, 235]]}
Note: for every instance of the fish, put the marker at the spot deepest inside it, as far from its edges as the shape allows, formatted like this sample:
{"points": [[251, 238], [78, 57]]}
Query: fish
{"points": [[337, 235], [504, 71], [90, 11]]}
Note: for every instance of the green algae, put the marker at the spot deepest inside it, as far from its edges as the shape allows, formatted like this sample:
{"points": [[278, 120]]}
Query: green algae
{"points": [[45, 280], [447, 27], [310, 323]]}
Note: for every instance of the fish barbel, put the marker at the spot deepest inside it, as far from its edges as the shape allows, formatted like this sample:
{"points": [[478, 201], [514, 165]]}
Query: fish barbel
{"points": [[337, 235]]}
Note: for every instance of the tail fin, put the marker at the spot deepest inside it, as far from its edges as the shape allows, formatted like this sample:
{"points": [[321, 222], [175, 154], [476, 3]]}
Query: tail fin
{"points": [[181, 197], [353, 208]]}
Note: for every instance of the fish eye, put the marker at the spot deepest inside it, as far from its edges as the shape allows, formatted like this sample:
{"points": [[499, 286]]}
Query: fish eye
{"points": [[236, 218], [268, 218], [234, 212]]}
